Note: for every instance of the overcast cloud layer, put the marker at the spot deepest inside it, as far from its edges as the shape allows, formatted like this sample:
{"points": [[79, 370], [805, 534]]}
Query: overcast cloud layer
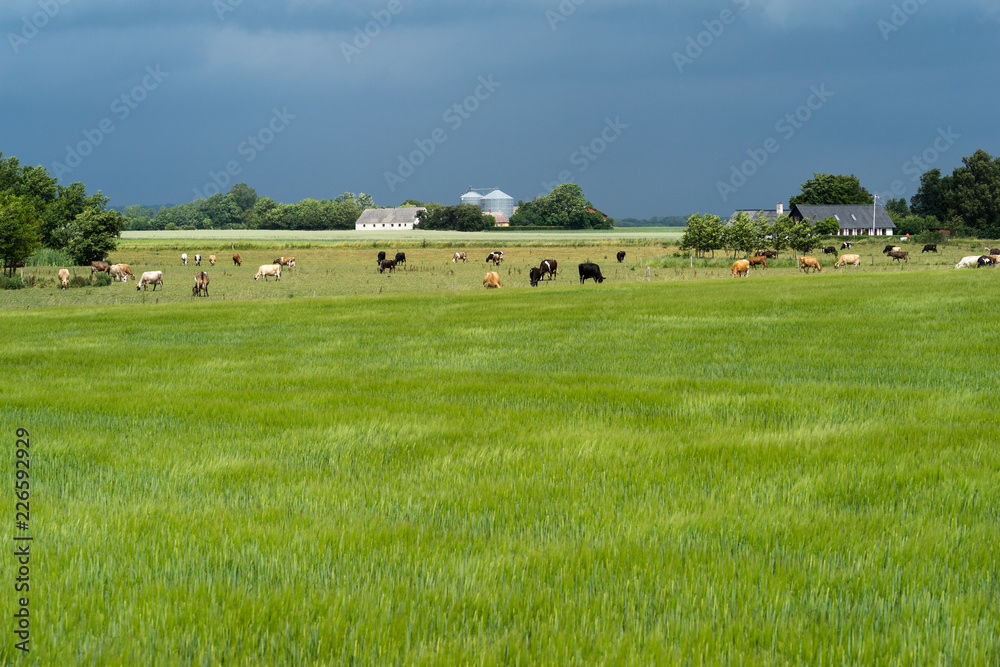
{"points": [[654, 108]]}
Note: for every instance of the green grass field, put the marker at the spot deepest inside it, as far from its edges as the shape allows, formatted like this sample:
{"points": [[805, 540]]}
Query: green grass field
{"points": [[786, 469]]}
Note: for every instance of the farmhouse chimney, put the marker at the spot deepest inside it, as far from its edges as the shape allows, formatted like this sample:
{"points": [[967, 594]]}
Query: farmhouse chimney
{"points": [[780, 209]]}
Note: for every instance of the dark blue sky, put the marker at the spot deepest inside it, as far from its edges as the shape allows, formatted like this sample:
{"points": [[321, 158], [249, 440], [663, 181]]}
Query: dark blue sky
{"points": [[654, 108]]}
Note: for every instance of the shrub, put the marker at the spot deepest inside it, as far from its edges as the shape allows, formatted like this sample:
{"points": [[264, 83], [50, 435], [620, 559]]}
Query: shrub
{"points": [[102, 279], [7, 282], [78, 281]]}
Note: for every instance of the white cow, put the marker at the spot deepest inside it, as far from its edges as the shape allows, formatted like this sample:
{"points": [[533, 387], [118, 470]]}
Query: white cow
{"points": [[184, 258], [969, 262], [153, 278], [64, 278], [118, 273], [848, 259], [268, 270]]}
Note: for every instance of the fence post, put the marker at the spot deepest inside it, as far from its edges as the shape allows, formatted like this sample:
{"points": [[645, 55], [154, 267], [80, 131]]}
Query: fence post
{"points": [[647, 274]]}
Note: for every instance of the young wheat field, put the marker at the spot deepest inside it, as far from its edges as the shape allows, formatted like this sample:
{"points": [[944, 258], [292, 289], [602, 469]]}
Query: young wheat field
{"points": [[409, 468]]}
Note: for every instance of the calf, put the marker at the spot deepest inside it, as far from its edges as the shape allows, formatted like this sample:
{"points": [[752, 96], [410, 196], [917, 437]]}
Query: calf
{"points": [[153, 278], [899, 255], [930, 247], [237, 260], [387, 264], [200, 284], [589, 270], [266, 270], [534, 275], [848, 259], [741, 267], [621, 256], [806, 263], [492, 280], [759, 260], [829, 250], [459, 256], [549, 266]]}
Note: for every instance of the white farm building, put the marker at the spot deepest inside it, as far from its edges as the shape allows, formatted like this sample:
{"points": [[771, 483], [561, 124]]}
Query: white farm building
{"points": [[388, 219]]}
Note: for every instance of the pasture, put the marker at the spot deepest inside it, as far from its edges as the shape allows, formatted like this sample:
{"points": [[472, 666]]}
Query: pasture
{"points": [[780, 469]]}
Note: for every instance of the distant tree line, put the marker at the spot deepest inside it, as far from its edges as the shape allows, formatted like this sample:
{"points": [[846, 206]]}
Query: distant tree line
{"points": [[241, 208], [661, 221], [37, 212], [564, 206], [744, 235]]}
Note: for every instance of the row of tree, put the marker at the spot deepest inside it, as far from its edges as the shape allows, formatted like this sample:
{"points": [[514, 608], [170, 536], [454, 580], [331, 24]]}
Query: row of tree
{"points": [[36, 211], [744, 236]]}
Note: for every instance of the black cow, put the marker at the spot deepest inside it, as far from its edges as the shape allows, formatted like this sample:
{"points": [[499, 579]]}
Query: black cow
{"points": [[534, 275], [899, 255], [887, 249], [549, 266], [830, 250], [985, 260], [400, 258], [930, 247], [994, 251], [770, 254], [845, 245], [381, 256], [590, 271], [621, 256], [387, 264]]}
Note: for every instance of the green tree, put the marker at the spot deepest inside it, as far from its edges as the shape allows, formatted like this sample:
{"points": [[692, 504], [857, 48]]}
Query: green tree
{"points": [[243, 196], [930, 200], [802, 237], [20, 229], [742, 235], [93, 235], [780, 233], [972, 193], [827, 227], [832, 189], [897, 209], [703, 234], [462, 218]]}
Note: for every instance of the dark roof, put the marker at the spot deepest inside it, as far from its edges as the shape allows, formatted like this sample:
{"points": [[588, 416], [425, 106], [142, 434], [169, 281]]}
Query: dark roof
{"points": [[768, 213], [851, 216]]}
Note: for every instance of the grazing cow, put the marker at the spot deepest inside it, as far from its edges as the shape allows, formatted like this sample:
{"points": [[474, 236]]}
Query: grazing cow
{"points": [[968, 262], [381, 256], [770, 254], [64, 278], [534, 275], [985, 260], [829, 250], [117, 273], [200, 284], [621, 256], [459, 256], [589, 270], [899, 255], [759, 260], [197, 260], [492, 280], [153, 278], [890, 248], [549, 266], [211, 260], [237, 260], [268, 270], [806, 263], [127, 270], [285, 261], [930, 247], [848, 259], [845, 245], [387, 264], [741, 267], [495, 257], [184, 258], [993, 251], [99, 266], [400, 258]]}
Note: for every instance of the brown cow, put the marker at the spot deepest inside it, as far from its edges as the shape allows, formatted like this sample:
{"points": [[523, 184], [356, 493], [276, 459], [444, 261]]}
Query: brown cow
{"points": [[200, 284], [460, 256], [806, 263], [549, 266], [237, 260], [64, 278], [285, 261], [899, 255], [387, 264], [492, 280], [211, 260], [759, 259], [741, 267], [127, 270], [97, 266]]}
